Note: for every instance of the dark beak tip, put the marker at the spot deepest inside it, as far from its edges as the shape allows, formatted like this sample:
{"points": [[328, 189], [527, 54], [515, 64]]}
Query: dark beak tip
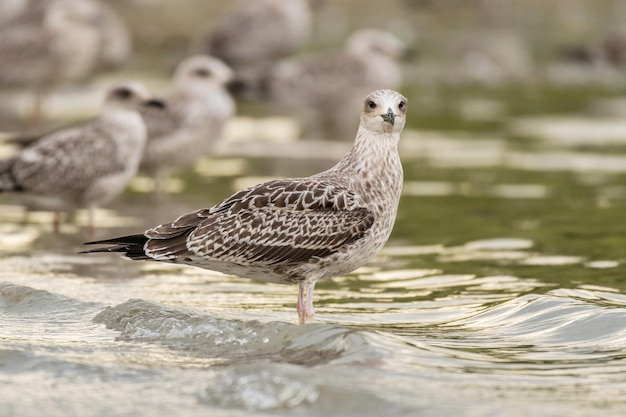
{"points": [[389, 117]]}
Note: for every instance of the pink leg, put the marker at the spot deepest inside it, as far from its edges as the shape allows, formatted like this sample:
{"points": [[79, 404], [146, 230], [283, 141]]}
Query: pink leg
{"points": [[300, 304], [309, 311], [304, 306]]}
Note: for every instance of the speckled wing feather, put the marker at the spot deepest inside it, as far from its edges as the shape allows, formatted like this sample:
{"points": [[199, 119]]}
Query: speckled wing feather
{"points": [[25, 139], [283, 221], [68, 160]]}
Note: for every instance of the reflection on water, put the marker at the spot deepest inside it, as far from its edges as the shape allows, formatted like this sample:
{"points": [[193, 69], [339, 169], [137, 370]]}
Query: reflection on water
{"points": [[388, 339], [500, 293]]}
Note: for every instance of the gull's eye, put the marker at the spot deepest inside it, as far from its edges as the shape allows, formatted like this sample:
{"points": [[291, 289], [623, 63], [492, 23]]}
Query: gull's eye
{"points": [[202, 73], [402, 105], [371, 104], [123, 93]]}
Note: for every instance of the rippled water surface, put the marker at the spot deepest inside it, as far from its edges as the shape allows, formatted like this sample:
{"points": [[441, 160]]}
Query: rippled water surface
{"points": [[500, 293]]}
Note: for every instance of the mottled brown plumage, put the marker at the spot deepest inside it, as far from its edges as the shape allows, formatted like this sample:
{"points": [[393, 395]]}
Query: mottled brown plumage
{"points": [[295, 230], [85, 165]]}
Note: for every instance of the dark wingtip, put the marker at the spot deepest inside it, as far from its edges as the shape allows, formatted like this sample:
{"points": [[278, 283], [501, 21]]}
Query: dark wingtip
{"points": [[82, 252], [131, 246], [125, 240]]}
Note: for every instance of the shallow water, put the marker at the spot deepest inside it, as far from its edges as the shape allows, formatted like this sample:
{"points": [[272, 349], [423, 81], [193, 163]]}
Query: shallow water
{"points": [[500, 293]]}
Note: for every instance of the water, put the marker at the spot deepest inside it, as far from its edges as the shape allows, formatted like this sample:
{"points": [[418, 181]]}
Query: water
{"points": [[500, 293]]}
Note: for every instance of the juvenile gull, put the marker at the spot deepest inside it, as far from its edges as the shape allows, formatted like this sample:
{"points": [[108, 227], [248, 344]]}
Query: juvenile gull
{"points": [[47, 43], [190, 119], [259, 31], [295, 230], [115, 45], [62, 48], [86, 165], [323, 88]]}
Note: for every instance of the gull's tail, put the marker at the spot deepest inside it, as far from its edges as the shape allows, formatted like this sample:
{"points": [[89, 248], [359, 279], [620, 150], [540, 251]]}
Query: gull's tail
{"points": [[132, 246]]}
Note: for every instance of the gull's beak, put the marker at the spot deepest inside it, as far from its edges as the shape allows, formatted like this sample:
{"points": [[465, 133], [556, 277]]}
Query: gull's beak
{"points": [[154, 102], [389, 117]]}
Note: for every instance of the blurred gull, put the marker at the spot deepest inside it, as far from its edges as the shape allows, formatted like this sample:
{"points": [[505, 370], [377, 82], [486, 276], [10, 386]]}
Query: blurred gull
{"points": [[190, 118], [115, 41], [323, 89], [259, 31], [295, 230], [47, 43], [86, 165], [62, 49], [10, 10]]}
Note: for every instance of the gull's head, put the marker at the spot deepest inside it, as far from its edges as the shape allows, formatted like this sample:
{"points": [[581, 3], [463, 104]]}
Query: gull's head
{"points": [[202, 69], [126, 95], [384, 111]]}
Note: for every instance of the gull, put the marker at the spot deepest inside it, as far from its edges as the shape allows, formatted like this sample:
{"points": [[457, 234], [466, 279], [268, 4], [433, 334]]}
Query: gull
{"points": [[259, 31], [48, 43], [323, 88], [295, 230], [190, 119], [11, 10], [115, 42], [86, 165]]}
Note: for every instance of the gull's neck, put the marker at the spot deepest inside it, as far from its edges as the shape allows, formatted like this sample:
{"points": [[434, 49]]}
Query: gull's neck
{"points": [[116, 113], [371, 151], [372, 169], [125, 121]]}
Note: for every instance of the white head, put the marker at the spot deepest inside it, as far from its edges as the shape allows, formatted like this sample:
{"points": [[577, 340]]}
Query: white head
{"points": [[202, 70], [126, 95], [376, 42], [384, 111]]}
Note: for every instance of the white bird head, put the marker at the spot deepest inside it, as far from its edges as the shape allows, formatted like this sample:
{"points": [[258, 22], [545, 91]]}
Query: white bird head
{"points": [[384, 111], [202, 69]]}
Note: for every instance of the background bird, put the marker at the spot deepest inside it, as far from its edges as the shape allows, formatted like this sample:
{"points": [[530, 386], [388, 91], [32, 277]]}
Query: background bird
{"points": [[86, 165], [322, 89], [296, 230], [190, 117], [48, 43], [258, 32]]}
